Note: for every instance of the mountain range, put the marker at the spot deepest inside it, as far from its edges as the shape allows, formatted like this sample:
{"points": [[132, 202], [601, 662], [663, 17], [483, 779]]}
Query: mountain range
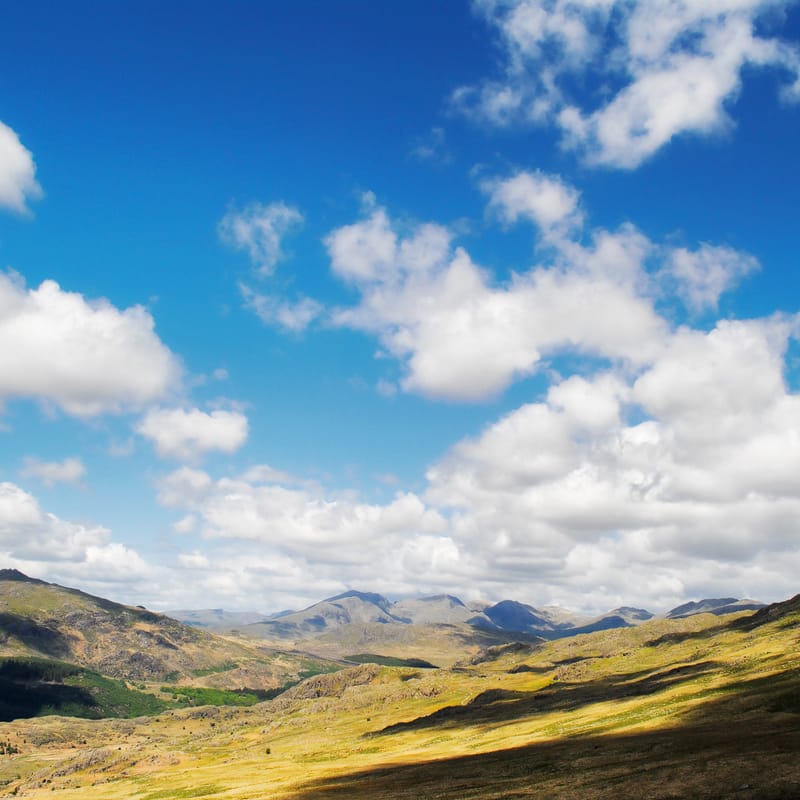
{"points": [[507, 616]]}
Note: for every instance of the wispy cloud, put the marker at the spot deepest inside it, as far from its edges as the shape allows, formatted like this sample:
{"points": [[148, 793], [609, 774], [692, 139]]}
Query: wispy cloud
{"points": [[660, 69], [70, 470], [259, 230], [294, 316]]}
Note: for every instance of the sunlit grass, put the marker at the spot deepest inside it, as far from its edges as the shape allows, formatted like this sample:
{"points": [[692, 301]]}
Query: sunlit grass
{"points": [[647, 699]]}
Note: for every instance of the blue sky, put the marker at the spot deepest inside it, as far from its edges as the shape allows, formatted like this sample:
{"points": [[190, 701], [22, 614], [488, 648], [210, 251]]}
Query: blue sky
{"points": [[497, 299]]}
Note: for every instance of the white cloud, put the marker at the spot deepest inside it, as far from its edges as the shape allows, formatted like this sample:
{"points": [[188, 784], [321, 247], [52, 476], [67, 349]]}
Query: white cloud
{"points": [[546, 200], [705, 274], [70, 470], [17, 172], [271, 310], [45, 546], [186, 524], [362, 251], [463, 336], [259, 231], [85, 356], [679, 481], [284, 533], [188, 434], [654, 69]]}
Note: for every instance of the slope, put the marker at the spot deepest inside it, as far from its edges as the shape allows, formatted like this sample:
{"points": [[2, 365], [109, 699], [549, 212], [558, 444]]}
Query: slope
{"points": [[39, 619], [703, 707]]}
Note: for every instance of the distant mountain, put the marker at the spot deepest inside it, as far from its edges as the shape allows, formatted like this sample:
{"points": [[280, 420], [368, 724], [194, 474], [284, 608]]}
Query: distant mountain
{"points": [[216, 618], [508, 618], [441, 609], [718, 606], [344, 609]]}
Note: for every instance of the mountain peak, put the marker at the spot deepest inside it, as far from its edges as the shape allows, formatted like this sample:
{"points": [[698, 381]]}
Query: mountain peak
{"points": [[366, 597]]}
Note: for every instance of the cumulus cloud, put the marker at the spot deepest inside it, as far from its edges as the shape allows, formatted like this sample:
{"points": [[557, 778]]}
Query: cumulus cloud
{"points": [[464, 336], [272, 525], [703, 275], [18, 182], [432, 147], [185, 435], [45, 546], [674, 481], [685, 474], [677, 479], [85, 356], [545, 200], [259, 230], [70, 470], [659, 69]]}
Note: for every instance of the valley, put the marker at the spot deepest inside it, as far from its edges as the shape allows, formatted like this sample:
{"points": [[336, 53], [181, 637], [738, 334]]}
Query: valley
{"points": [[701, 705]]}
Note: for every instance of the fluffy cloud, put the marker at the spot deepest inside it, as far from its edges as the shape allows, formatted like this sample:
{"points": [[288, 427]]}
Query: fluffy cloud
{"points": [[70, 470], [259, 230], [17, 172], [45, 546], [85, 356], [276, 531], [187, 435], [684, 476], [703, 275], [545, 200], [463, 336], [659, 69], [675, 480]]}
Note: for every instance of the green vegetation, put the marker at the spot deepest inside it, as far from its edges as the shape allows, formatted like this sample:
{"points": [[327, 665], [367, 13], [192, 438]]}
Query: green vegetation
{"points": [[31, 687], [390, 661], [204, 673], [201, 696]]}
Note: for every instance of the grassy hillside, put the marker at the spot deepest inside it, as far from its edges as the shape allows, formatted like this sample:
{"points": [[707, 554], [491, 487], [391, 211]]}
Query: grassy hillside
{"points": [[31, 687], [43, 620], [704, 707]]}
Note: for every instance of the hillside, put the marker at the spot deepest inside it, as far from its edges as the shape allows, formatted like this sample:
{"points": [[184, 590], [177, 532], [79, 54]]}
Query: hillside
{"points": [[44, 620], [704, 706]]}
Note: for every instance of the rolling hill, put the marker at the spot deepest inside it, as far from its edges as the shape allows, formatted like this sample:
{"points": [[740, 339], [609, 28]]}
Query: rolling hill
{"points": [[704, 706], [44, 620]]}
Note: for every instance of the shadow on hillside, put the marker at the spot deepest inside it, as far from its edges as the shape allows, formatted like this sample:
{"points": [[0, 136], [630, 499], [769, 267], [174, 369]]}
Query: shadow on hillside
{"points": [[499, 705], [731, 747], [21, 700], [35, 635]]}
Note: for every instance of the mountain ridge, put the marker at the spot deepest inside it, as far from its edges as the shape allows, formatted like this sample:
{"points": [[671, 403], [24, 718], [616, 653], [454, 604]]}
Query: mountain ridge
{"points": [[506, 616]]}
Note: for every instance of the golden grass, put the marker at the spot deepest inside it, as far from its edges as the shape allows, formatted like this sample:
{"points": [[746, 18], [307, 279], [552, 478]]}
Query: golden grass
{"points": [[688, 708]]}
